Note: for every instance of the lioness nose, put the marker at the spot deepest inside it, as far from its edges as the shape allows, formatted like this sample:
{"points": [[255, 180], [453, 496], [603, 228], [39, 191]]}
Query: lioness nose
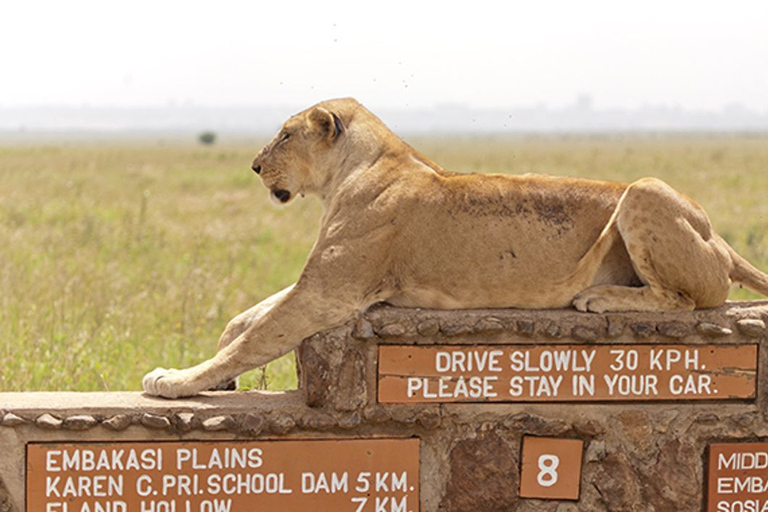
{"points": [[282, 195], [256, 168]]}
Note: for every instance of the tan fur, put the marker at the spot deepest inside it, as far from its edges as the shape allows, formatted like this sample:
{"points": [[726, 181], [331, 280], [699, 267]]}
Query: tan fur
{"points": [[398, 228]]}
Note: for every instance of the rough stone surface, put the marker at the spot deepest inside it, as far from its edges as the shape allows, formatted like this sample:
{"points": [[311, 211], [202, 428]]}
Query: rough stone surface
{"points": [[314, 383], [675, 330], [155, 421], [351, 393], [488, 324], [217, 423], [643, 329], [80, 422], [752, 327], [428, 328], [48, 421], [185, 421], [713, 330], [118, 422], [455, 328], [282, 424], [595, 451], [584, 333], [672, 483], [525, 422], [363, 329], [588, 428], [526, 327], [616, 326], [391, 330], [317, 421], [253, 424], [5, 498], [637, 427], [484, 475], [335, 364], [618, 485], [551, 329], [452, 327], [12, 420], [376, 415], [350, 421], [430, 419]]}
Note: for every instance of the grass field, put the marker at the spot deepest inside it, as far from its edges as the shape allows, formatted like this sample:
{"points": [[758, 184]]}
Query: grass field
{"points": [[117, 258]]}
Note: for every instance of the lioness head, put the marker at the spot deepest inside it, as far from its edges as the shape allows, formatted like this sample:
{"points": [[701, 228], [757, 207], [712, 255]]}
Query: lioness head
{"points": [[303, 155]]}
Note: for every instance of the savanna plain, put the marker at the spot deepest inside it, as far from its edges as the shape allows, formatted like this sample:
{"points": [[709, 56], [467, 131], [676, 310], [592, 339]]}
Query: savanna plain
{"points": [[117, 257]]}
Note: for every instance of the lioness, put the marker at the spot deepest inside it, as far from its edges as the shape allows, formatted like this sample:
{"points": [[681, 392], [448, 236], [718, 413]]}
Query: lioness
{"points": [[398, 228]]}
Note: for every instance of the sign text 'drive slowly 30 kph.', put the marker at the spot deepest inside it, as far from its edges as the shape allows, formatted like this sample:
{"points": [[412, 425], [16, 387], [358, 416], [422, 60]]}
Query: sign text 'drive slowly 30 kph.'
{"points": [[552, 373], [360, 475]]}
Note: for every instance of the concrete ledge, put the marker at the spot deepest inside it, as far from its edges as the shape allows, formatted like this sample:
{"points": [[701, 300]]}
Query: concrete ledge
{"points": [[126, 402], [244, 414]]}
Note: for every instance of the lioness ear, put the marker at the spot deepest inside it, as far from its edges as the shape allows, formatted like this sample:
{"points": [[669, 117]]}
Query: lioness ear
{"points": [[326, 123]]}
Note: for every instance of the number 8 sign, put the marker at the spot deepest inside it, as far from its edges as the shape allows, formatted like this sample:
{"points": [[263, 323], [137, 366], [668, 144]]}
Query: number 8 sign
{"points": [[551, 468], [547, 470]]}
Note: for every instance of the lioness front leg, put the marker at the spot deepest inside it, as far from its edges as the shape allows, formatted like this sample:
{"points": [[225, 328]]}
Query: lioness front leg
{"points": [[303, 311], [241, 323]]}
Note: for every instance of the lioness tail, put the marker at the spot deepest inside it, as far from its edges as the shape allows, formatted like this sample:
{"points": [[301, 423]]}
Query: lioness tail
{"points": [[745, 273]]}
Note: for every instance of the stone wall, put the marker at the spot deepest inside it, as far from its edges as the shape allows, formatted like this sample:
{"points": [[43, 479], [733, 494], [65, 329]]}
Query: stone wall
{"points": [[638, 456]]}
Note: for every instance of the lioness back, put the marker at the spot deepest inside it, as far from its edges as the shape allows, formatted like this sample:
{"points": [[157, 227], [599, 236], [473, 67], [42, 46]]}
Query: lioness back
{"points": [[494, 232]]}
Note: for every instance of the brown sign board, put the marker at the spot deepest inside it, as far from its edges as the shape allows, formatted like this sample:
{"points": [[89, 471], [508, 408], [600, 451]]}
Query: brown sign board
{"points": [[738, 477], [352, 475], [551, 468], [566, 373]]}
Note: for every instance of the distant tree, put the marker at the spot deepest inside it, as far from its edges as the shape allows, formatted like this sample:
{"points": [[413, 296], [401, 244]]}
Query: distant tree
{"points": [[207, 138]]}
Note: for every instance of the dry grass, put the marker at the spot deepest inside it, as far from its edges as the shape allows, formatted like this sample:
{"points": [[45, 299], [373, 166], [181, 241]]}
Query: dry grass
{"points": [[115, 259]]}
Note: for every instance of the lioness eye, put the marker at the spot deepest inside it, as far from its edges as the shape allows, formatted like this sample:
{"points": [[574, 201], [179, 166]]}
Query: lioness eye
{"points": [[285, 137]]}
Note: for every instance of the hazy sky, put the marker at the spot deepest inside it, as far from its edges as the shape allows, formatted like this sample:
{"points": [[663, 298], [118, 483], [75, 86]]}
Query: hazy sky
{"points": [[395, 54]]}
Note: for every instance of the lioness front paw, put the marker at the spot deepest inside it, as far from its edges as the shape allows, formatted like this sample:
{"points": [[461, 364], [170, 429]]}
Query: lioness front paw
{"points": [[163, 382]]}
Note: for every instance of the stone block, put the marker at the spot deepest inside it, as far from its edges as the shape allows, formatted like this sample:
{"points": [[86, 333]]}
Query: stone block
{"points": [[644, 456]]}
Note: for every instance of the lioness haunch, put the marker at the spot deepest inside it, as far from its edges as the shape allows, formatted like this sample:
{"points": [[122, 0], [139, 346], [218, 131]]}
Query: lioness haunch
{"points": [[399, 228]]}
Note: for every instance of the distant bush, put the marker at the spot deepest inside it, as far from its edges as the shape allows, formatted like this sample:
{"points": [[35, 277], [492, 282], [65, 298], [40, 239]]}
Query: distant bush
{"points": [[207, 138]]}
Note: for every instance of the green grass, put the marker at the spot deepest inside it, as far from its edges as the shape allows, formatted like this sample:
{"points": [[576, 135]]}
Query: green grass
{"points": [[115, 259]]}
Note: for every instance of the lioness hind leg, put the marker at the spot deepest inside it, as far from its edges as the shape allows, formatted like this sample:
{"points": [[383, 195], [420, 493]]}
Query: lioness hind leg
{"points": [[599, 299], [674, 252]]}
